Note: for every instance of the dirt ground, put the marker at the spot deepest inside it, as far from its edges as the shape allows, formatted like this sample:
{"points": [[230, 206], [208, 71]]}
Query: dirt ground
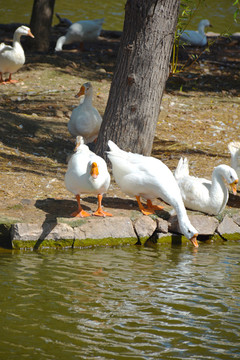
{"points": [[199, 116]]}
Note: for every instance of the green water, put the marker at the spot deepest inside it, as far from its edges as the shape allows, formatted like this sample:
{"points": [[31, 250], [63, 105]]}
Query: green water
{"points": [[121, 303], [219, 12]]}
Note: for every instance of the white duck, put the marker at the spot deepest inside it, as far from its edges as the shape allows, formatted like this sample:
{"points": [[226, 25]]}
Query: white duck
{"points": [[12, 58], [87, 173], [80, 31], [204, 195], [196, 38], [234, 148], [150, 178], [85, 119]]}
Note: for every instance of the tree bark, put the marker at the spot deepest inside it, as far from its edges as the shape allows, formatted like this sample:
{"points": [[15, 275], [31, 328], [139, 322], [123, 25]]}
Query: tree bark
{"points": [[40, 24], [140, 76]]}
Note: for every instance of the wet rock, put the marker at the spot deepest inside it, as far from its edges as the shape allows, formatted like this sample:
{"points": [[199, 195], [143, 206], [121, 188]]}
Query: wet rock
{"points": [[236, 219], [53, 231], [169, 238], [205, 225], [87, 232], [59, 232], [228, 229], [25, 231], [162, 226], [144, 227], [115, 227]]}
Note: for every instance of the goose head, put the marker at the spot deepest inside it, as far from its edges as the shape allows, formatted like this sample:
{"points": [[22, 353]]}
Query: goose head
{"points": [[85, 89], [232, 179], [24, 30], [189, 231], [229, 174], [203, 23], [80, 146]]}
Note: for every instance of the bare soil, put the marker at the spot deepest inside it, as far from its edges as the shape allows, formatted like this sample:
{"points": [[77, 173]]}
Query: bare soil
{"points": [[199, 117]]}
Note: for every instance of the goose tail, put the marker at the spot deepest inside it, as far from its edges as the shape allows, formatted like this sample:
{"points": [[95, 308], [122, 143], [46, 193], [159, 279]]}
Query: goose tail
{"points": [[115, 152], [234, 147], [182, 168]]}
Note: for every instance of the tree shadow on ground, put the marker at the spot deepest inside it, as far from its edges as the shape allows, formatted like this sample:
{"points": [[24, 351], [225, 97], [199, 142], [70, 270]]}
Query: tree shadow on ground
{"points": [[161, 147], [214, 68], [35, 136]]}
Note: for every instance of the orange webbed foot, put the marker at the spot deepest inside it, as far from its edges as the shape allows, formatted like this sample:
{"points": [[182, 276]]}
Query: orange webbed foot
{"points": [[147, 211], [102, 213], [80, 214]]}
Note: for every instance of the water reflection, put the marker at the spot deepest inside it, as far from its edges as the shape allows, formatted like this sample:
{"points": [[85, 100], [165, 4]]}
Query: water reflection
{"points": [[159, 302]]}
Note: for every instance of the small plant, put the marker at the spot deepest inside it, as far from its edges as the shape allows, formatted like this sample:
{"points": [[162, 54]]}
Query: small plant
{"points": [[236, 14], [188, 9]]}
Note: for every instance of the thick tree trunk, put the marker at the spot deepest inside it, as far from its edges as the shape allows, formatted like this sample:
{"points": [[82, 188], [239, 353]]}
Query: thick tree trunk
{"points": [[40, 24], [139, 79]]}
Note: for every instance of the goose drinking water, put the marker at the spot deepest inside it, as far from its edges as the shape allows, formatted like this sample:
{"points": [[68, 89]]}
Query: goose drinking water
{"points": [[147, 177], [80, 31]]}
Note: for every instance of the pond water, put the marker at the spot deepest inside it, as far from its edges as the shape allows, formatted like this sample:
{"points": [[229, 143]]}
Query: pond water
{"points": [[158, 302], [219, 12]]}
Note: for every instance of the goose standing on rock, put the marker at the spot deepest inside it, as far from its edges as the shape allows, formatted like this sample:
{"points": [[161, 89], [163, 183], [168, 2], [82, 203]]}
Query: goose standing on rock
{"points": [[87, 173], [147, 177], [196, 38], [203, 195], [234, 148], [85, 120], [12, 57], [80, 31]]}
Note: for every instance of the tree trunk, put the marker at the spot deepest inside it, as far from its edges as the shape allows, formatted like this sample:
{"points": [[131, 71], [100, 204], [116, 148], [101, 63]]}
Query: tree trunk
{"points": [[40, 24], [140, 76]]}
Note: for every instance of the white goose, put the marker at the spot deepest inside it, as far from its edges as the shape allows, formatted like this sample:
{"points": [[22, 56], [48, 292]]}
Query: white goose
{"points": [[87, 173], [234, 148], [150, 178], [80, 31], [204, 195], [12, 58], [85, 119], [196, 38]]}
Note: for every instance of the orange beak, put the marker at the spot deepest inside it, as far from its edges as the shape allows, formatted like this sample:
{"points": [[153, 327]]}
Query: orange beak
{"points": [[81, 92], [194, 240], [30, 33], [234, 187], [94, 170]]}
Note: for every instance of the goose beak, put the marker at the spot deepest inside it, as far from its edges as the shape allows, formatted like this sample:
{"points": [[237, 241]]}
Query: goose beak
{"points": [[78, 143], [94, 170], [30, 33], [194, 240], [234, 187], [81, 92]]}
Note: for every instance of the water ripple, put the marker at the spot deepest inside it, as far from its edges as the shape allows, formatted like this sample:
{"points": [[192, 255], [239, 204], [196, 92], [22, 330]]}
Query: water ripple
{"points": [[121, 303]]}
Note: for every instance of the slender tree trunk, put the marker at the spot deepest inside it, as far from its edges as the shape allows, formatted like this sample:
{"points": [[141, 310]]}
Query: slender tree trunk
{"points": [[40, 24], [139, 79]]}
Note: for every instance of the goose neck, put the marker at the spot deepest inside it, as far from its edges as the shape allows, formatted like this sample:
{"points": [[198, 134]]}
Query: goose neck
{"points": [[16, 40], [88, 99], [180, 211], [201, 29], [217, 181]]}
